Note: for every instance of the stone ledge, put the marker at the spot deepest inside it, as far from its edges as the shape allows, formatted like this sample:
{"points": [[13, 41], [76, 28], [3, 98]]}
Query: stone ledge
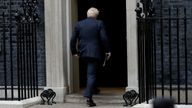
{"points": [[142, 106], [20, 104], [150, 106]]}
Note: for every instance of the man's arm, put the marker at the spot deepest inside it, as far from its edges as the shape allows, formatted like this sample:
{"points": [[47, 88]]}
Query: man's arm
{"points": [[105, 40]]}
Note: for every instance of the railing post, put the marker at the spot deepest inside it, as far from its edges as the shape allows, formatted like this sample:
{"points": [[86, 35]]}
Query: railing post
{"points": [[5, 57], [145, 11]]}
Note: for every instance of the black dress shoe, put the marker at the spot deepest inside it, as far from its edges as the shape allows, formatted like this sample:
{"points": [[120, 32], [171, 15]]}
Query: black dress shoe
{"points": [[90, 103]]}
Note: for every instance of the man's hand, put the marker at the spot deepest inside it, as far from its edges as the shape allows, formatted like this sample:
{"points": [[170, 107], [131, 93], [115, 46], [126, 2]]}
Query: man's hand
{"points": [[76, 55], [108, 55]]}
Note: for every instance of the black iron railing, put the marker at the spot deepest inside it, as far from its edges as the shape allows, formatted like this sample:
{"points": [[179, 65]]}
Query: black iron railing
{"points": [[164, 48], [27, 60], [18, 55]]}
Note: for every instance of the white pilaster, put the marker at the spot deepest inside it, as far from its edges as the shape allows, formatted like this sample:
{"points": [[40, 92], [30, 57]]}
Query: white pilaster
{"points": [[73, 63], [56, 47], [132, 53]]}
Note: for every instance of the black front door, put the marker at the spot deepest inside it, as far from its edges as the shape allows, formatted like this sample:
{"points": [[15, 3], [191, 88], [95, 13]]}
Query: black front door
{"points": [[113, 14]]}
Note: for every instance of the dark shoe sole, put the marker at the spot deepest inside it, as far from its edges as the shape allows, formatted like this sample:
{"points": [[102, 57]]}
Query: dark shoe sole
{"points": [[90, 103]]}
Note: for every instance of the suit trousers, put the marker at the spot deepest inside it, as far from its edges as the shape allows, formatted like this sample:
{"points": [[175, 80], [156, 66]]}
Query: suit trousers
{"points": [[92, 66]]}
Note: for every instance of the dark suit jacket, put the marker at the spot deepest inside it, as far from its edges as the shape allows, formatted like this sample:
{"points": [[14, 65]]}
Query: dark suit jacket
{"points": [[89, 38]]}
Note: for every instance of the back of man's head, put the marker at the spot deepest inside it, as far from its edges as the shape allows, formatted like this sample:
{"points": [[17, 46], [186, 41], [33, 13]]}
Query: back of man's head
{"points": [[92, 12], [163, 103]]}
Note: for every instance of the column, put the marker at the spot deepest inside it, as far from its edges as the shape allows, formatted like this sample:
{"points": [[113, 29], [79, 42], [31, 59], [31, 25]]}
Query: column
{"points": [[132, 52], [56, 47]]}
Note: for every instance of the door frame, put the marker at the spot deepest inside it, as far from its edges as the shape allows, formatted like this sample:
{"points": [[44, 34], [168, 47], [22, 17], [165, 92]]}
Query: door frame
{"points": [[132, 50]]}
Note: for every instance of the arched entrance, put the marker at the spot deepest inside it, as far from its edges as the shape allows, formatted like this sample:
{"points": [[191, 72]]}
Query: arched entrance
{"points": [[113, 14]]}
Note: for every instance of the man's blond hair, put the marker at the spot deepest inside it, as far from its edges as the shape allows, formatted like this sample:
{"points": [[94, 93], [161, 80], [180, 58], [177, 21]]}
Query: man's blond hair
{"points": [[92, 12]]}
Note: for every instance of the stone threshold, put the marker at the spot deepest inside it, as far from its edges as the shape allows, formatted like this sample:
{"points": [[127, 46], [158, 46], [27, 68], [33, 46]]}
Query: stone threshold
{"points": [[20, 104], [101, 98]]}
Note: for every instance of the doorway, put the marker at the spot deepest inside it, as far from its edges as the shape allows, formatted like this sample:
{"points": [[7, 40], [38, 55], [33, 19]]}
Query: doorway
{"points": [[113, 14]]}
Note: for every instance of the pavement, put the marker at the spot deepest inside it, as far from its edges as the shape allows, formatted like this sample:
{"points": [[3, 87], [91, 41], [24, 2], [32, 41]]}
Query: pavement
{"points": [[79, 105], [99, 105]]}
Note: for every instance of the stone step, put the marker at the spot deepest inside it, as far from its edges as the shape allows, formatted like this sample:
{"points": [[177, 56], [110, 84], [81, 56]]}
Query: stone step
{"points": [[101, 98]]}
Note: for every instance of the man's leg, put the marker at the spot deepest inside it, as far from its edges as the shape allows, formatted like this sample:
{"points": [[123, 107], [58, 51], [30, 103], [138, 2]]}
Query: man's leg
{"points": [[98, 73], [91, 78]]}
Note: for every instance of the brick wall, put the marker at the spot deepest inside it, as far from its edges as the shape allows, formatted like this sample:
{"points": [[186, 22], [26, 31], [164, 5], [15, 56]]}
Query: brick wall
{"points": [[173, 5], [16, 4]]}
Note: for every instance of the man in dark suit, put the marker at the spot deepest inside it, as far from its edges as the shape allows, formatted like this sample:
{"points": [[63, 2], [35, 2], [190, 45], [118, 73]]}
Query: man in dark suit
{"points": [[88, 40]]}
